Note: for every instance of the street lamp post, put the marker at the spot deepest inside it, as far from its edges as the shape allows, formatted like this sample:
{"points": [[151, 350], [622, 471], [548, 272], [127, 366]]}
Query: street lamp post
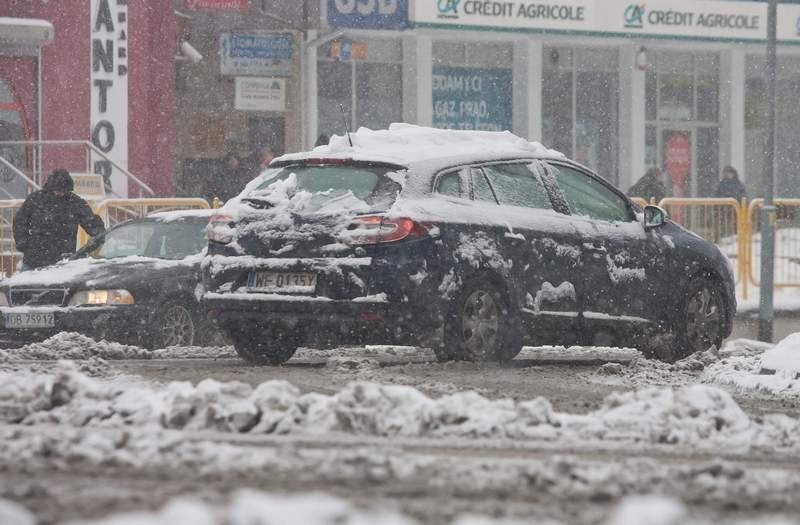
{"points": [[766, 297]]}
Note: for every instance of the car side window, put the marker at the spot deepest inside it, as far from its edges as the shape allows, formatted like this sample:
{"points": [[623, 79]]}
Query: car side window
{"points": [[450, 184], [516, 185], [590, 198], [480, 188]]}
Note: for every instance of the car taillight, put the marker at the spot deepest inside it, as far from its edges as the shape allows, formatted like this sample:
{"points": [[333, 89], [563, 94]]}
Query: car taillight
{"points": [[220, 228], [377, 229]]}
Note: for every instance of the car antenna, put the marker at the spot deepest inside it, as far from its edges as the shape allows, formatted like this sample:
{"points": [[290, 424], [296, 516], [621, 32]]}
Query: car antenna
{"points": [[346, 126]]}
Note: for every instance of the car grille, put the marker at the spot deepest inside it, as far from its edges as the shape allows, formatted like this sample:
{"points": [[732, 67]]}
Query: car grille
{"points": [[38, 297]]}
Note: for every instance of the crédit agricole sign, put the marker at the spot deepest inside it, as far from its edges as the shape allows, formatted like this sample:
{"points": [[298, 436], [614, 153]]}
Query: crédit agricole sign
{"points": [[689, 19]]}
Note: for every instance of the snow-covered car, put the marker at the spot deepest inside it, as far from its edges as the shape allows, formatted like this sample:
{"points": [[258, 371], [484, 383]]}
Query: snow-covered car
{"points": [[136, 284], [473, 243]]}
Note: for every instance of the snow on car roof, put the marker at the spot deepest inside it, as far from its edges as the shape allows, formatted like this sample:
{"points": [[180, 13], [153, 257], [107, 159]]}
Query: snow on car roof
{"points": [[408, 144], [167, 216]]}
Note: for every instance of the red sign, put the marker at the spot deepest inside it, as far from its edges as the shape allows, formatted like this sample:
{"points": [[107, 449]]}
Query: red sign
{"points": [[218, 5], [678, 158]]}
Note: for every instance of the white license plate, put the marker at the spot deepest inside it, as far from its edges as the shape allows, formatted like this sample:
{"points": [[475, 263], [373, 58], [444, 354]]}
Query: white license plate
{"points": [[30, 320], [291, 282]]}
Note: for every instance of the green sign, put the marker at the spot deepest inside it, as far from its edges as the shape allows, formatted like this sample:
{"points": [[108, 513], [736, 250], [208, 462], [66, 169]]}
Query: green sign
{"points": [[472, 98]]}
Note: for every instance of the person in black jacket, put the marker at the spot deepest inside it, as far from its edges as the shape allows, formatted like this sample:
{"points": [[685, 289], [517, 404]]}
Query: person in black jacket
{"points": [[730, 186], [46, 226]]}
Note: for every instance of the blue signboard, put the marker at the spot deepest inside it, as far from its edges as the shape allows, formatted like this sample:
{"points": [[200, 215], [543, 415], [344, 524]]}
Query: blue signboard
{"points": [[368, 14], [472, 98], [256, 54]]}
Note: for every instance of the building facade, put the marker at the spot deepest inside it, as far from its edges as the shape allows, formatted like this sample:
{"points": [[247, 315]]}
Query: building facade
{"points": [[617, 85], [106, 75]]}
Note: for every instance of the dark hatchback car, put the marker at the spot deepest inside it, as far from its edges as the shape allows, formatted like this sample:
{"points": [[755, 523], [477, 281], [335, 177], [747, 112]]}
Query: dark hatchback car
{"points": [[471, 243], [137, 283]]}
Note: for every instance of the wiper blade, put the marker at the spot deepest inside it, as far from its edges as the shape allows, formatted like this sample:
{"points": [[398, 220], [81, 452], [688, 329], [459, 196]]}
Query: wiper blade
{"points": [[259, 204]]}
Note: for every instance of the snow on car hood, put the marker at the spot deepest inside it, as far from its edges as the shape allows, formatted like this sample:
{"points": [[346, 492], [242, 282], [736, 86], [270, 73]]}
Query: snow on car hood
{"points": [[407, 144], [93, 272]]}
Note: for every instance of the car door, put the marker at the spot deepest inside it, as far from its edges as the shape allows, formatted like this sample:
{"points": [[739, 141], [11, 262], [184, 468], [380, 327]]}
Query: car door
{"points": [[613, 246], [542, 244]]}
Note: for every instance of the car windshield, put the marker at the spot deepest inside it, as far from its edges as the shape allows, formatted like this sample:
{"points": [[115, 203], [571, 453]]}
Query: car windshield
{"points": [[161, 240], [373, 187]]}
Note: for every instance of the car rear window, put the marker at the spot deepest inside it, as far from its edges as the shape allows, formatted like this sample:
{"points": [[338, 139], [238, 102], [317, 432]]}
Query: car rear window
{"points": [[373, 185]]}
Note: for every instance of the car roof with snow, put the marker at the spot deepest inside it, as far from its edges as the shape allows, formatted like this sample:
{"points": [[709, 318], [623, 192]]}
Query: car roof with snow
{"points": [[174, 215], [421, 148]]}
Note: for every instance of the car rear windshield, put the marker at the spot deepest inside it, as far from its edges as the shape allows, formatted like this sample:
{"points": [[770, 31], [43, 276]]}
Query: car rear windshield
{"points": [[373, 185], [161, 240]]}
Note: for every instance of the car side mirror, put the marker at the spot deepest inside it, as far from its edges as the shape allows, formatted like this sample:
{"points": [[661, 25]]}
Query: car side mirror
{"points": [[654, 217]]}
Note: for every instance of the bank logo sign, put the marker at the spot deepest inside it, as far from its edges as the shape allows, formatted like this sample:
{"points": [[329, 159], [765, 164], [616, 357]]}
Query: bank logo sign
{"points": [[634, 16], [448, 8]]}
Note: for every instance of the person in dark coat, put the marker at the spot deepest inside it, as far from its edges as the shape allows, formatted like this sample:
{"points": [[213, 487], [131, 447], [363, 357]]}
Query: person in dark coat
{"points": [[650, 186], [46, 225], [730, 186]]}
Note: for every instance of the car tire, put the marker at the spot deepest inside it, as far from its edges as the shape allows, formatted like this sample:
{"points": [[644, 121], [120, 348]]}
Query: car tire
{"points": [[253, 349], [176, 324], [698, 326], [481, 325]]}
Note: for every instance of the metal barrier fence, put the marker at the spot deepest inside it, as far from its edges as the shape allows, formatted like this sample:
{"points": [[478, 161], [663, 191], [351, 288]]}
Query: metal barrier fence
{"points": [[9, 256], [787, 242], [112, 211]]}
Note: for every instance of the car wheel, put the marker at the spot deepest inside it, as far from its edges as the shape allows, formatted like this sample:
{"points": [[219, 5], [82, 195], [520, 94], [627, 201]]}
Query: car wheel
{"points": [[254, 350], [481, 327], [176, 325], [699, 323]]}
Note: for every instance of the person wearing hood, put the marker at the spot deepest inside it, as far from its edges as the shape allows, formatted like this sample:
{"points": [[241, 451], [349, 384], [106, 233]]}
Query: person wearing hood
{"points": [[46, 225]]}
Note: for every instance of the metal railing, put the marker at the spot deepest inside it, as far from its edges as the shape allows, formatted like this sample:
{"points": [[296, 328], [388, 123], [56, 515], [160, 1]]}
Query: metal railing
{"points": [[37, 175], [9, 256]]}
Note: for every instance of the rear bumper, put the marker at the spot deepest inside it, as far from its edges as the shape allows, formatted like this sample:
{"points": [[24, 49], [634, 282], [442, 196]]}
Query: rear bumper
{"points": [[320, 321]]}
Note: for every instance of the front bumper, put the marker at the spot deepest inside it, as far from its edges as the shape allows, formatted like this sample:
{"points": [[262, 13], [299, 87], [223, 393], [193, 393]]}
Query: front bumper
{"points": [[320, 321], [122, 323]]}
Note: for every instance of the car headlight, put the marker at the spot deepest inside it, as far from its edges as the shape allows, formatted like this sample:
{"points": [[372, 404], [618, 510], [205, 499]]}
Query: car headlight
{"points": [[100, 297], [3, 299]]}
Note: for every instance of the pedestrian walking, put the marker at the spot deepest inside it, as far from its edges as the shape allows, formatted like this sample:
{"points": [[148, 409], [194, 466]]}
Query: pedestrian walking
{"points": [[46, 225]]}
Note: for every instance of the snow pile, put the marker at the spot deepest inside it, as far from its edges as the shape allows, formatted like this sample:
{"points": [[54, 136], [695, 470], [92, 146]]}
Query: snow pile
{"points": [[257, 508], [784, 358], [14, 514], [744, 367], [72, 345], [697, 415]]}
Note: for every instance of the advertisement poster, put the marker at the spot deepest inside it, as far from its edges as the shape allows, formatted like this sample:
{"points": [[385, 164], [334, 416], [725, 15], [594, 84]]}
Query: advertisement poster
{"points": [[472, 98]]}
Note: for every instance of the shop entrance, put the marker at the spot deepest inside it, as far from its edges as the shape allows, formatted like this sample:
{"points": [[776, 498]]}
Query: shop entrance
{"points": [[682, 112]]}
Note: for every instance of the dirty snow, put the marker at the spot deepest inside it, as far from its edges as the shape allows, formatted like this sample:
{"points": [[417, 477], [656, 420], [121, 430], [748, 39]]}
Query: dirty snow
{"points": [[784, 357], [697, 415]]}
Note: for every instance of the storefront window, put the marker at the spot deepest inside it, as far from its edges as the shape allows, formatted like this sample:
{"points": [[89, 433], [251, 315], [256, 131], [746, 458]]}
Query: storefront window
{"points": [[366, 80], [787, 114], [472, 85], [682, 112], [11, 129], [580, 115]]}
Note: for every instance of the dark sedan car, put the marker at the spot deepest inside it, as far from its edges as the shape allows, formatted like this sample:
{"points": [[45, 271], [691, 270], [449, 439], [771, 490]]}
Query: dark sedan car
{"points": [[137, 283], [473, 243]]}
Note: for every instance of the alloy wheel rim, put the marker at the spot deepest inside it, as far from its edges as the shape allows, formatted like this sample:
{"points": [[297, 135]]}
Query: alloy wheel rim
{"points": [[703, 322], [177, 328], [480, 323]]}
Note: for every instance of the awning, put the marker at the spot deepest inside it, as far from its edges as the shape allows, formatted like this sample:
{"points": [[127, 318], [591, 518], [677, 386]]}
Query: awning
{"points": [[24, 36]]}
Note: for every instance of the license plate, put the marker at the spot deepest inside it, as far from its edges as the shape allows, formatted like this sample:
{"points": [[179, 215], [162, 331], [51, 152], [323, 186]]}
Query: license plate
{"points": [[290, 282], [29, 320]]}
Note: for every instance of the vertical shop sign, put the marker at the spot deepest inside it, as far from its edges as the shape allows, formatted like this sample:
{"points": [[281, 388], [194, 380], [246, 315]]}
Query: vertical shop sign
{"points": [[471, 98], [677, 160], [109, 87]]}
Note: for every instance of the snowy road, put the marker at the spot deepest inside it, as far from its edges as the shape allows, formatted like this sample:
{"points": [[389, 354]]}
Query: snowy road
{"points": [[389, 430]]}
